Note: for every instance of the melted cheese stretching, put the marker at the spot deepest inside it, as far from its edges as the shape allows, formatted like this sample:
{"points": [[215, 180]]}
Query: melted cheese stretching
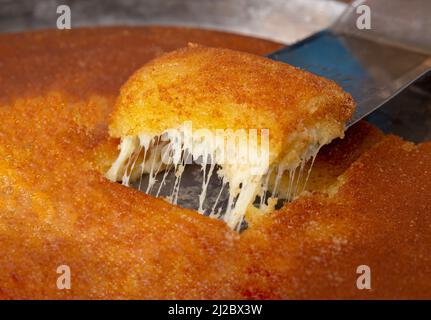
{"points": [[223, 89], [160, 153]]}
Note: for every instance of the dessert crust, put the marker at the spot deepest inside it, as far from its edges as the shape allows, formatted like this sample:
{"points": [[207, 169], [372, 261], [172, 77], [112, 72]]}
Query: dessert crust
{"points": [[56, 208]]}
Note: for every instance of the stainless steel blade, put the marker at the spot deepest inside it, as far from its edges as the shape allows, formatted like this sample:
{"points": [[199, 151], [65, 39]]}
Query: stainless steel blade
{"points": [[372, 65]]}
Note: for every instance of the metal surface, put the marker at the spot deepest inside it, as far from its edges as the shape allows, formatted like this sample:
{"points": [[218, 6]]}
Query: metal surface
{"points": [[271, 19], [373, 65]]}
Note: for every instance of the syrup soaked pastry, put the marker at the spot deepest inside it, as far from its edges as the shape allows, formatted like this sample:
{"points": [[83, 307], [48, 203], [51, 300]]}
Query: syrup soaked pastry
{"points": [[293, 111], [368, 199]]}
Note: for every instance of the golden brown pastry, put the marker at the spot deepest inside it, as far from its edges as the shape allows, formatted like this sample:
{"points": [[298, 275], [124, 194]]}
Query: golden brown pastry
{"points": [[57, 208], [220, 89]]}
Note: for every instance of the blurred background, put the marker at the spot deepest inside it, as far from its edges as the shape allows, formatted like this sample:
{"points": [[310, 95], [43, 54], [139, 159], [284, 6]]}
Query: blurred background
{"points": [[284, 21]]}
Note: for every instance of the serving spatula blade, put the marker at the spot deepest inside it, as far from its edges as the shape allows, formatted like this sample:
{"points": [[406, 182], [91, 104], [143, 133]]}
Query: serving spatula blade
{"points": [[372, 65]]}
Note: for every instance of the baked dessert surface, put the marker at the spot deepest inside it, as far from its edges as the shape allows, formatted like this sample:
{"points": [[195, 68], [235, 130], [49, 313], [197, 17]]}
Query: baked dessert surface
{"points": [[372, 205], [215, 89], [220, 88]]}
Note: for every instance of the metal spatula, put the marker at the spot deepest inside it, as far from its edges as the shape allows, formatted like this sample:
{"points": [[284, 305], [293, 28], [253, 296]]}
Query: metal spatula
{"points": [[374, 64]]}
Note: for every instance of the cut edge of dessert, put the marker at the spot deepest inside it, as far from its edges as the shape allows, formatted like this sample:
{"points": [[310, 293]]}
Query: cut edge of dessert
{"points": [[256, 122]]}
